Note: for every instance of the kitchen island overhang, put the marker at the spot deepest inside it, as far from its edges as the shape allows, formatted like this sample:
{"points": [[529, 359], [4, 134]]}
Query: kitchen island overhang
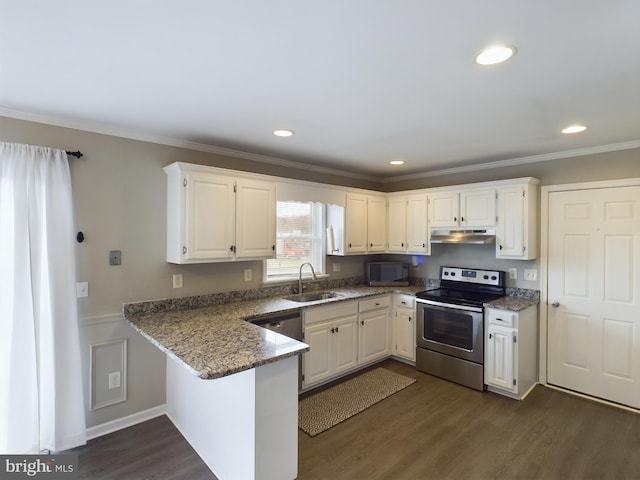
{"points": [[232, 388]]}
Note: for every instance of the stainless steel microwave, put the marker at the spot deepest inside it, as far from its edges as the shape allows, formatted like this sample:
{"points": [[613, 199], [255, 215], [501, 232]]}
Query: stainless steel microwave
{"points": [[381, 274]]}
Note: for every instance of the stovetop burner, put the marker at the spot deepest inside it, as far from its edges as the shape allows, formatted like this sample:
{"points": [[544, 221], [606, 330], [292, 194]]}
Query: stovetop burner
{"points": [[465, 286]]}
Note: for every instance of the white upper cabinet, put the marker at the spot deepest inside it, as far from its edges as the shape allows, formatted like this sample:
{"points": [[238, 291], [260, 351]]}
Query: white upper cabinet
{"points": [[397, 222], [376, 223], [463, 208], [212, 217], [255, 219], [358, 227], [517, 232], [417, 226], [408, 229]]}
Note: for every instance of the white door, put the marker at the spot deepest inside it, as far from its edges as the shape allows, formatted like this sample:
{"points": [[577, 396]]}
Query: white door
{"points": [[594, 293], [345, 344], [397, 233], [356, 223], [317, 361], [417, 226], [376, 224], [373, 335]]}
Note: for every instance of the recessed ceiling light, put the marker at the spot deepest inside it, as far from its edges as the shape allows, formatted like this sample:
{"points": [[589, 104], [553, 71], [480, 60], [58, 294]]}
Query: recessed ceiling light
{"points": [[282, 132], [494, 54], [574, 129], [397, 162]]}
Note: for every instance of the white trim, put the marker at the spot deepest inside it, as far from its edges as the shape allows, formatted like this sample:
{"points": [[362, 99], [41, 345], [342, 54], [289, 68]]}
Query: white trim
{"points": [[123, 368], [544, 260], [104, 129], [518, 161], [101, 319], [114, 131], [125, 422]]}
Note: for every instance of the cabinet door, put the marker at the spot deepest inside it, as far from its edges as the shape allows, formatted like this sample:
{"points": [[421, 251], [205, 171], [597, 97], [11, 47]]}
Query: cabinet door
{"points": [[255, 219], [356, 219], [499, 369], [478, 208], [376, 224], [405, 333], [374, 336], [511, 226], [417, 226], [397, 231], [444, 209], [344, 343], [317, 361], [209, 217]]}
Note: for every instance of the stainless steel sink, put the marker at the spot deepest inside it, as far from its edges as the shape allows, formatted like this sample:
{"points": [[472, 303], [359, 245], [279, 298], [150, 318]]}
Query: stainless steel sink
{"points": [[313, 296]]}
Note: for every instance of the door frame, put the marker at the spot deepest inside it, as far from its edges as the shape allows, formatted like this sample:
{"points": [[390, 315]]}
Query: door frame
{"points": [[544, 255]]}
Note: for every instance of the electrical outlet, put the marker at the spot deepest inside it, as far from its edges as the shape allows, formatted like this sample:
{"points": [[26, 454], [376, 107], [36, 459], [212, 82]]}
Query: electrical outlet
{"points": [[336, 267], [114, 380], [513, 273], [248, 274], [82, 289], [177, 280], [531, 274]]}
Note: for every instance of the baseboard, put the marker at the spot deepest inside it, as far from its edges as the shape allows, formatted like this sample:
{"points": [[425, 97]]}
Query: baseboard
{"points": [[124, 422]]}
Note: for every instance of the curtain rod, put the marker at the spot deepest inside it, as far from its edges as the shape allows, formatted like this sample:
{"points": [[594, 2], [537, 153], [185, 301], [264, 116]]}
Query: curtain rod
{"points": [[77, 154]]}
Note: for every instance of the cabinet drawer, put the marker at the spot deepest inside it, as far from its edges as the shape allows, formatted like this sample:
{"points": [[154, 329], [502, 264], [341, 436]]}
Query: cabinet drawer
{"points": [[403, 300], [374, 303], [329, 312], [502, 317]]}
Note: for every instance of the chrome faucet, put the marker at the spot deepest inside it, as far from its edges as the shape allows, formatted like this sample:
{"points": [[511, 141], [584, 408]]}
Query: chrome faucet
{"points": [[300, 276]]}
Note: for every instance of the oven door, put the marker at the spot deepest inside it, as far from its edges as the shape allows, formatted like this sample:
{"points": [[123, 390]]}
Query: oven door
{"points": [[451, 329]]}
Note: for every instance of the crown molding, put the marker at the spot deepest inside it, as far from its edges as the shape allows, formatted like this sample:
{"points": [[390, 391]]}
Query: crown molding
{"points": [[111, 130], [114, 131], [517, 161]]}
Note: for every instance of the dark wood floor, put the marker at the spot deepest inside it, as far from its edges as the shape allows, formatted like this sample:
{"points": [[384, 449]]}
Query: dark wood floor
{"points": [[433, 429]]}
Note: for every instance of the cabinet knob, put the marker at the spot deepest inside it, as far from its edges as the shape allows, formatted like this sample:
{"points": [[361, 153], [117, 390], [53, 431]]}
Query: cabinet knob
{"points": [[361, 322], [462, 219], [490, 335], [500, 247], [371, 244], [337, 329], [455, 219], [409, 318]]}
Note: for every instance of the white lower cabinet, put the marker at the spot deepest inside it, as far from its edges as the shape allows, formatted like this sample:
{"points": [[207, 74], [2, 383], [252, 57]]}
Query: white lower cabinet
{"points": [[332, 335], [373, 329], [404, 327], [511, 358]]}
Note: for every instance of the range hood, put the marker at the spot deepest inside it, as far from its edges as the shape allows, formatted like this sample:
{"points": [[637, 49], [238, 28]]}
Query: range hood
{"points": [[473, 237]]}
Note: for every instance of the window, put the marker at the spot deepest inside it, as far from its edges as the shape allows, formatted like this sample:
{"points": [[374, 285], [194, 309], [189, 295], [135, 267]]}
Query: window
{"points": [[299, 239]]}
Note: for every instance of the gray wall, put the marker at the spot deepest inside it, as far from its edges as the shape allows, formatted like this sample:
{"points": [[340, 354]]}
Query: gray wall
{"points": [[119, 197]]}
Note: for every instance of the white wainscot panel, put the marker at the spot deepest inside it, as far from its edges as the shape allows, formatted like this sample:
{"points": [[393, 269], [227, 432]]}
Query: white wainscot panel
{"points": [[619, 264], [575, 334], [618, 348], [576, 268]]}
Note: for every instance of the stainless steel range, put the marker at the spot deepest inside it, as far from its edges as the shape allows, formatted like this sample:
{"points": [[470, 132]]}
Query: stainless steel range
{"points": [[450, 335]]}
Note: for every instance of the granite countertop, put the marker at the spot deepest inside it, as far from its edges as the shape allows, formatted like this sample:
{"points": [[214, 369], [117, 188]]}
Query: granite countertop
{"points": [[516, 300], [216, 340], [211, 337]]}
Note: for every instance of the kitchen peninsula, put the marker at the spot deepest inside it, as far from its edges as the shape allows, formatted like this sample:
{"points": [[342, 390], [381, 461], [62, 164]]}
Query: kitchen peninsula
{"points": [[232, 387]]}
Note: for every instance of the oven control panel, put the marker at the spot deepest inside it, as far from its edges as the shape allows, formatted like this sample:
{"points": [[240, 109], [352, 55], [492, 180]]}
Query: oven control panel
{"points": [[469, 275]]}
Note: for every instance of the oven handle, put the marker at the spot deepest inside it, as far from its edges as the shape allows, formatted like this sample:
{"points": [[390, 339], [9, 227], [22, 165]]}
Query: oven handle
{"points": [[449, 305]]}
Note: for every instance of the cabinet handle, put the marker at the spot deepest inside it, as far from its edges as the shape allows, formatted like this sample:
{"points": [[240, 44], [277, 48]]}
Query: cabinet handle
{"points": [[402, 244], [184, 250], [349, 245], [423, 245], [232, 248], [333, 330], [371, 244], [337, 329], [362, 322], [403, 302], [462, 219], [500, 247], [490, 336], [455, 219], [273, 247], [409, 318]]}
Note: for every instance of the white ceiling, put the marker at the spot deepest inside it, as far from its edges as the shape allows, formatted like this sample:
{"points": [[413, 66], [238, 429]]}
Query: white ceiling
{"points": [[361, 82]]}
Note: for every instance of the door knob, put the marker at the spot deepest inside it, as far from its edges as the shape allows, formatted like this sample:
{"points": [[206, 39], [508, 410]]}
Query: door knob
{"points": [[555, 304]]}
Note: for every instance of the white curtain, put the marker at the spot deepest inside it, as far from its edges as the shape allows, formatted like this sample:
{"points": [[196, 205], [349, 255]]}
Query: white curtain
{"points": [[41, 400]]}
